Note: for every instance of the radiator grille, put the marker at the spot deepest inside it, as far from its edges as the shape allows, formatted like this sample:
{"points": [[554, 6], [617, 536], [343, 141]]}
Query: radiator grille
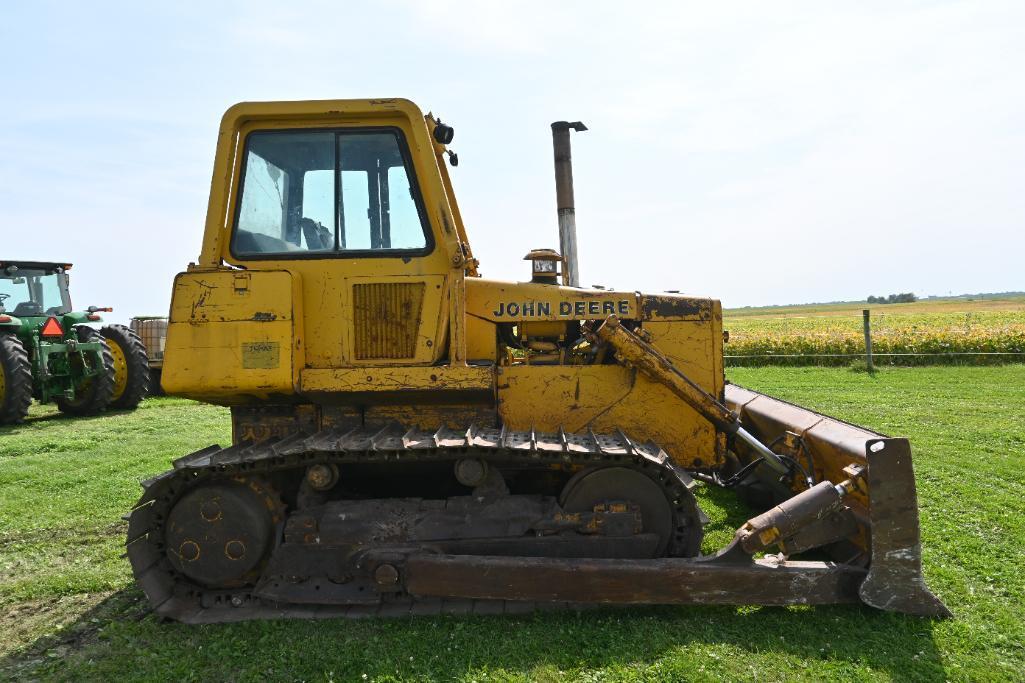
{"points": [[387, 319]]}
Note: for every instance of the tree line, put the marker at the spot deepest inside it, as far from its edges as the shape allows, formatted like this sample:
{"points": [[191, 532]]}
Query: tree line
{"points": [[902, 298]]}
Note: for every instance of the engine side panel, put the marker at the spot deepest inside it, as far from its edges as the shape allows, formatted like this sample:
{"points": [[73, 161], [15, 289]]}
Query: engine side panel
{"points": [[609, 397], [233, 336]]}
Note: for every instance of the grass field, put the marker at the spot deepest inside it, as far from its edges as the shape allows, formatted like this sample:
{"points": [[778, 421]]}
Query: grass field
{"points": [[934, 327], [69, 610]]}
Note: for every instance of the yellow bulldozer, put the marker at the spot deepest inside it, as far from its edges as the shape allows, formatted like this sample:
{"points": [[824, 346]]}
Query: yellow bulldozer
{"points": [[410, 437]]}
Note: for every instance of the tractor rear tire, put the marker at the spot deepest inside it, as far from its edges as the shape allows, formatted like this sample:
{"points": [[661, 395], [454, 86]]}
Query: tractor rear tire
{"points": [[131, 367], [15, 380], [96, 392]]}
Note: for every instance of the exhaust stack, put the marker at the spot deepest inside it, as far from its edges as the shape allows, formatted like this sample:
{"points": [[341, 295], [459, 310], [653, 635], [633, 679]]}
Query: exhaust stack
{"points": [[564, 199]]}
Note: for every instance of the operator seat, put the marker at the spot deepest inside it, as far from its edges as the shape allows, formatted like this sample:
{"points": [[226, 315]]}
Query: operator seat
{"points": [[318, 238], [27, 308]]}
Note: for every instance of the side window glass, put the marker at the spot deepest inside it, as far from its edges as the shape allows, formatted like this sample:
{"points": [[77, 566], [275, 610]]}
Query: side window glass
{"points": [[291, 205], [317, 231], [50, 293], [13, 291], [263, 200], [406, 232], [356, 210], [276, 215]]}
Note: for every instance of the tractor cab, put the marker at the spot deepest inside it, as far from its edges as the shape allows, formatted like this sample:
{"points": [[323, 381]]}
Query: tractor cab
{"points": [[34, 288]]}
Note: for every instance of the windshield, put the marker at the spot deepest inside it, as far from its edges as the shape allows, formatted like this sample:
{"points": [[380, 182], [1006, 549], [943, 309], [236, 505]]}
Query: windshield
{"points": [[30, 291], [347, 192]]}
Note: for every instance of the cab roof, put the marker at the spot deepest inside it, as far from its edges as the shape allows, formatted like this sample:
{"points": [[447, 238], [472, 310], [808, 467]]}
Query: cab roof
{"points": [[36, 265]]}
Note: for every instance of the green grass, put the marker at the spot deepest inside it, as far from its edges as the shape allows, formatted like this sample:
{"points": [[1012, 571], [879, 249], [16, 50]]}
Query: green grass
{"points": [[69, 609]]}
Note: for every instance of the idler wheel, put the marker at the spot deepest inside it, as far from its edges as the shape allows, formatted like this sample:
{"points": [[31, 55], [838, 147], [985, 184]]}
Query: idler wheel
{"points": [[622, 484], [219, 534]]}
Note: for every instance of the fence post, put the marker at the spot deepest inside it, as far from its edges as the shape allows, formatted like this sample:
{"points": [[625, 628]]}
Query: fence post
{"points": [[868, 341]]}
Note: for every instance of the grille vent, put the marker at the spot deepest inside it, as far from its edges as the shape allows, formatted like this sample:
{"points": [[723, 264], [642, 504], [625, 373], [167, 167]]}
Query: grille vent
{"points": [[387, 319]]}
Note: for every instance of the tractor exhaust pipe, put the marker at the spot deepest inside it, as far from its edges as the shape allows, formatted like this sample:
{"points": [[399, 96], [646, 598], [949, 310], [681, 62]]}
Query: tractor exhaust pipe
{"points": [[564, 199]]}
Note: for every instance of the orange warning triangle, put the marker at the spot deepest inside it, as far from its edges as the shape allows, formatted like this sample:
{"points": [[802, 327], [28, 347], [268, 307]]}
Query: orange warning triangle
{"points": [[52, 328]]}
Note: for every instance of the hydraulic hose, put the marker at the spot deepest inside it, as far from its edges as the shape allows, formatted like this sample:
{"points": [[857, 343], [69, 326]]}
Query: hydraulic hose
{"points": [[771, 459]]}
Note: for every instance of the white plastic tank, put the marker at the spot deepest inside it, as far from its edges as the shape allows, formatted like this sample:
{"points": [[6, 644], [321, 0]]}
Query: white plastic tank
{"points": [[153, 331]]}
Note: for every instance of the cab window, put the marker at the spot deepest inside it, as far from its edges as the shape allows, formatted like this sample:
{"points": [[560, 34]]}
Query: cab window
{"points": [[28, 292], [328, 193]]}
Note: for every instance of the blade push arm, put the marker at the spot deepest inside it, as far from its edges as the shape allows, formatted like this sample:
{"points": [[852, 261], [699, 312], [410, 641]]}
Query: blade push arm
{"points": [[633, 350]]}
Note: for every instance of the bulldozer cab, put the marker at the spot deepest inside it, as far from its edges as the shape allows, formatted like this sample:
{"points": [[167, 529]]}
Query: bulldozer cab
{"points": [[333, 241], [34, 289]]}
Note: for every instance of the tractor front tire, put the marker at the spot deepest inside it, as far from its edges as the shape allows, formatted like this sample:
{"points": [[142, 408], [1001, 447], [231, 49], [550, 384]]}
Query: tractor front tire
{"points": [[15, 380], [131, 367], [94, 394]]}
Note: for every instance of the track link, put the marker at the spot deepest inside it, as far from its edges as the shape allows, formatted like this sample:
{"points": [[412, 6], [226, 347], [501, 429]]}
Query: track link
{"points": [[174, 596]]}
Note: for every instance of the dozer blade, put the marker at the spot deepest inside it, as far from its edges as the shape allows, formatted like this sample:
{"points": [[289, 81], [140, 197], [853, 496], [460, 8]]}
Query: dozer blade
{"points": [[887, 517], [825, 485], [895, 580]]}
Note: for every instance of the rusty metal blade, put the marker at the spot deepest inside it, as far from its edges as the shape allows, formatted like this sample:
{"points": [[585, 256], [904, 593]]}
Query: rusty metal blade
{"points": [[888, 522], [894, 580]]}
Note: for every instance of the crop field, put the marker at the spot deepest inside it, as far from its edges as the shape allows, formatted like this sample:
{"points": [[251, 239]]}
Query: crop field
{"points": [[931, 332], [70, 611]]}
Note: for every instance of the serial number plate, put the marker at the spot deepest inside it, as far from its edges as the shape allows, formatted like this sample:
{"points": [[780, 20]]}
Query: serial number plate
{"points": [[261, 355]]}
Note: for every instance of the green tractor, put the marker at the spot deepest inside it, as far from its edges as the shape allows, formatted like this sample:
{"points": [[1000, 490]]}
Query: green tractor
{"points": [[51, 353]]}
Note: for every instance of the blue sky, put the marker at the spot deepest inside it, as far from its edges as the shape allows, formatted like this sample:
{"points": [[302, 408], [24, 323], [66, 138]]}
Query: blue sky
{"points": [[756, 152]]}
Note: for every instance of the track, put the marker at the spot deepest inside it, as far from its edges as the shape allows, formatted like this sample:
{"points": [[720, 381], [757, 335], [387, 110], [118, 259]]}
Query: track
{"points": [[173, 595]]}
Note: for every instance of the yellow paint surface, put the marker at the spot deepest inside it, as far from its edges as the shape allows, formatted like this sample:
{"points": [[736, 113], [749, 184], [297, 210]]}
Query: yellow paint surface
{"points": [[604, 398], [230, 338], [348, 380]]}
